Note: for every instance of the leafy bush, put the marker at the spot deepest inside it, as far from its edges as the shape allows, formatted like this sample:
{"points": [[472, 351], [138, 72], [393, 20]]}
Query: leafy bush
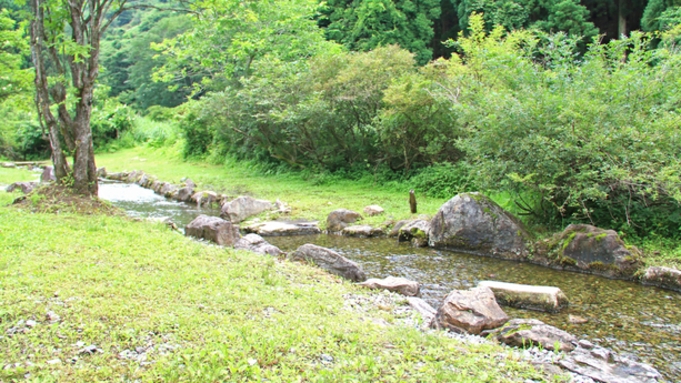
{"points": [[32, 144], [596, 140], [153, 132], [109, 120], [444, 180], [197, 131]]}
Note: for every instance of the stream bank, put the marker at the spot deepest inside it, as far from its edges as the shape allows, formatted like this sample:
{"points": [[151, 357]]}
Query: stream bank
{"points": [[624, 316]]}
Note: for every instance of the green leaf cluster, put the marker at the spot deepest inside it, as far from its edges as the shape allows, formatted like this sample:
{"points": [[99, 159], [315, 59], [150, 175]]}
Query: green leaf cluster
{"points": [[363, 25]]}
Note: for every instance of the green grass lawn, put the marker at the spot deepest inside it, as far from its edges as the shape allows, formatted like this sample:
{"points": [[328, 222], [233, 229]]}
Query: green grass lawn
{"points": [[134, 301]]}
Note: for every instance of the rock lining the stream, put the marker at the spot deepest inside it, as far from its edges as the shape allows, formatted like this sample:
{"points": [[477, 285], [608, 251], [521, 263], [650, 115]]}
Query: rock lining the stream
{"points": [[362, 231], [589, 249], [470, 311], [329, 260], [339, 219], [213, 229], [528, 297], [257, 244], [243, 207], [533, 332], [664, 277], [416, 231], [281, 228], [399, 285]]}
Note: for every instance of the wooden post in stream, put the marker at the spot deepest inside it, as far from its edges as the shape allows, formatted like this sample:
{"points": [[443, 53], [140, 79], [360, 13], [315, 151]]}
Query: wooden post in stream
{"points": [[412, 201]]}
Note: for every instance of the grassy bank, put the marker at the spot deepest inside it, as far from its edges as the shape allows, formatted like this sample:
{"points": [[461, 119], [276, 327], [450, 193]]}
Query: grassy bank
{"points": [[117, 300], [308, 199]]}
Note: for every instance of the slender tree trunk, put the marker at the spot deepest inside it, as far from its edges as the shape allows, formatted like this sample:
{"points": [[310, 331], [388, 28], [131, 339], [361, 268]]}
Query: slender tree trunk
{"points": [[61, 166], [621, 20]]}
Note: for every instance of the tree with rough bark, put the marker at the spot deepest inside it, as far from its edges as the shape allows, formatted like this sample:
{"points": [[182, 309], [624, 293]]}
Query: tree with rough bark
{"points": [[65, 50]]}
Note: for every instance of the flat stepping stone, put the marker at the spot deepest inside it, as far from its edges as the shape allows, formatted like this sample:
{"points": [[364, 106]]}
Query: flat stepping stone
{"points": [[278, 228], [362, 231], [396, 284], [529, 297]]}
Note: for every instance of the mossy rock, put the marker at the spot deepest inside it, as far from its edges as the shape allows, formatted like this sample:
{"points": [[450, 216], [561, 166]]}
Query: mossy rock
{"points": [[593, 250]]}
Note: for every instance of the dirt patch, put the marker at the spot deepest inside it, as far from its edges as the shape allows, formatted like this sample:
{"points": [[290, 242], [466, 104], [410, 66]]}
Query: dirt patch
{"points": [[55, 198]]}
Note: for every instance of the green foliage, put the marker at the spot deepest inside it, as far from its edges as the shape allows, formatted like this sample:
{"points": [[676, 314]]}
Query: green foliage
{"points": [[567, 16], [363, 25], [229, 37], [322, 113], [594, 140], [416, 128], [444, 180], [197, 130], [154, 133], [657, 14], [130, 60], [109, 119], [14, 77]]}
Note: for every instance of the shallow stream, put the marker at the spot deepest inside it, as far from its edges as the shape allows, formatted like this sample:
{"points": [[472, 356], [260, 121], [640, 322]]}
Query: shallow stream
{"points": [[624, 316]]}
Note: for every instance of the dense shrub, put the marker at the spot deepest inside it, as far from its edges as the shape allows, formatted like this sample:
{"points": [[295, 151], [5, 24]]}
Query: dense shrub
{"points": [[444, 180], [109, 120], [594, 140]]}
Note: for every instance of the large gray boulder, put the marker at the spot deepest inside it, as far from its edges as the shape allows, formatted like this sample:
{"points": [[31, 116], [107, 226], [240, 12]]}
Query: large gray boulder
{"points": [[184, 194], [470, 311], [473, 223], [664, 277], [589, 249], [339, 219], [529, 297], [279, 228], [395, 284], [329, 260], [532, 332], [213, 229], [25, 187], [243, 207], [256, 244]]}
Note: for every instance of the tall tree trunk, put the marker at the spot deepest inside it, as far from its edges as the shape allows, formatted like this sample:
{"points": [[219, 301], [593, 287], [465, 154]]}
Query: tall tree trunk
{"points": [[621, 20], [61, 166]]}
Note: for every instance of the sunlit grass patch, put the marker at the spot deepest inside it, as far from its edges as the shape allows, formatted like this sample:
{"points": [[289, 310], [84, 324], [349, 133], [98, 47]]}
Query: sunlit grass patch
{"points": [[136, 301]]}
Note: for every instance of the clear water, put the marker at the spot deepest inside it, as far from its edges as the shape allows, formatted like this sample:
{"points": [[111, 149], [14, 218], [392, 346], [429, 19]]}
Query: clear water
{"points": [[624, 316], [144, 203]]}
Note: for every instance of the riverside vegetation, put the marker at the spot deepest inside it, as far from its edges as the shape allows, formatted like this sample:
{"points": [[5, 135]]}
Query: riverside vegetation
{"points": [[92, 297], [295, 102]]}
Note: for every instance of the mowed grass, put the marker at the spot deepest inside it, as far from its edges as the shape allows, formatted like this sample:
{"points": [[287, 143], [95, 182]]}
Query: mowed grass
{"points": [[307, 200], [138, 302]]}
